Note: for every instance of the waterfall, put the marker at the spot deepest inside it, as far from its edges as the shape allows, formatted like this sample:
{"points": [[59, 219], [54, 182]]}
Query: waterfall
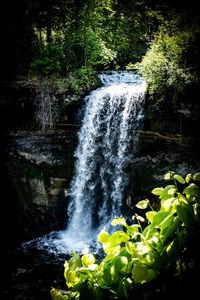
{"points": [[46, 107], [107, 143]]}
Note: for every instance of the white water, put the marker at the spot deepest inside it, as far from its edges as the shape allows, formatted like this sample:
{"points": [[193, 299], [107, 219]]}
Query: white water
{"points": [[107, 143]]}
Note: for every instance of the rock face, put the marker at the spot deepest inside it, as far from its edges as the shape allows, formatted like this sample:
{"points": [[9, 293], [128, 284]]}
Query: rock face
{"points": [[35, 105], [36, 176], [170, 140], [38, 165]]}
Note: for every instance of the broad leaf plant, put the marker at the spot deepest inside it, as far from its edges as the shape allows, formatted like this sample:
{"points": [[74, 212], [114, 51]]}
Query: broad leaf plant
{"points": [[136, 255]]}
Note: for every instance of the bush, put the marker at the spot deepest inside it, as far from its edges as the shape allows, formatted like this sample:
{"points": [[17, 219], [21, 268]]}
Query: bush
{"points": [[48, 61], [143, 259], [167, 63]]}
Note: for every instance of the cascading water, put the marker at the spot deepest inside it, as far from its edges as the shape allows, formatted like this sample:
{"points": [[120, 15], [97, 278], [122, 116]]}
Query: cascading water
{"points": [[108, 140], [107, 143], [46, 107]]}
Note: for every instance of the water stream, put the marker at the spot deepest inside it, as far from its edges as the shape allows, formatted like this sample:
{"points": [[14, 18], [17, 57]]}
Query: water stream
{"points": [[107, 142]]}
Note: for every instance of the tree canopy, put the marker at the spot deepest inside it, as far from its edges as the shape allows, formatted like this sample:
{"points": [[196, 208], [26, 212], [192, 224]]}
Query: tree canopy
{"points": [[46, 37]]}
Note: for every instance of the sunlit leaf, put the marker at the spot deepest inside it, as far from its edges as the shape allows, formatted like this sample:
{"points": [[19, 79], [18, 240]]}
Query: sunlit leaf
{"points": [[152, 237], [139, 273], [170, 228], [139, 218], [88, 259], [157, 191], [167, 192], [103, 236], [179, 178], [121, 263], [187, 178], [169, 204], [142, 204], [73, 263], [159, 217], [166, 221], [142, 273], [141, 249], [72, 278], [181, 198], [118, 221], [168, 175], [192, 192], [57, 295], [150, 215], [149, 258], [132, 229], [130, 247], [150, 231], [118, 237]]}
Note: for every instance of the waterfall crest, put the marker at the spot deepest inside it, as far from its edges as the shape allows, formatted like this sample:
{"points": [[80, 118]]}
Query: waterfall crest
{"points": [[107, 143]]}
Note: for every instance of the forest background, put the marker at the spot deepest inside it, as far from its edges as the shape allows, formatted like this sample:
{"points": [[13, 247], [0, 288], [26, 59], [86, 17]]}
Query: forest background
{"points": [[75, 38]]}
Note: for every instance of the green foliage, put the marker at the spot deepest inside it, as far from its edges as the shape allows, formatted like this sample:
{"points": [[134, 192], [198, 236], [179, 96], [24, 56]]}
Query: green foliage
{"points": [[48, 61], [138, 254], [83, 79], [91, 34], [168, 63]]}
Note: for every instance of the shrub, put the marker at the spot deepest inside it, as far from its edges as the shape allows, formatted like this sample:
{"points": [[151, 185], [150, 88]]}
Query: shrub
{"points": [[167, 63], [137, 255]]}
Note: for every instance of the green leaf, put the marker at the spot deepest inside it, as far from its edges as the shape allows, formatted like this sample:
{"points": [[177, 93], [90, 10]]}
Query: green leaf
{"points": [[187, 178], [130, 247], [168, 192], [142, 204], [179, 178], [139, 218], [132, 229], [110, 274], [118, 237], [185, 213], [119, 221], [57, 295], [149, 258], [150, 215], [167, 221], [192, 192], [159, 217], [181, 198], [150, 232], [123, 290], [196, 177], [157, 191], [169, 204], [121, 263], [103, 236], [88, 259], [170, 228], [168, 175], [73, 263], [142, 273]]}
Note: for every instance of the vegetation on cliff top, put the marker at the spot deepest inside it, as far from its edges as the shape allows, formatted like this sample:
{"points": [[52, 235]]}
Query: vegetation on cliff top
{"points": [[58, 37]]}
